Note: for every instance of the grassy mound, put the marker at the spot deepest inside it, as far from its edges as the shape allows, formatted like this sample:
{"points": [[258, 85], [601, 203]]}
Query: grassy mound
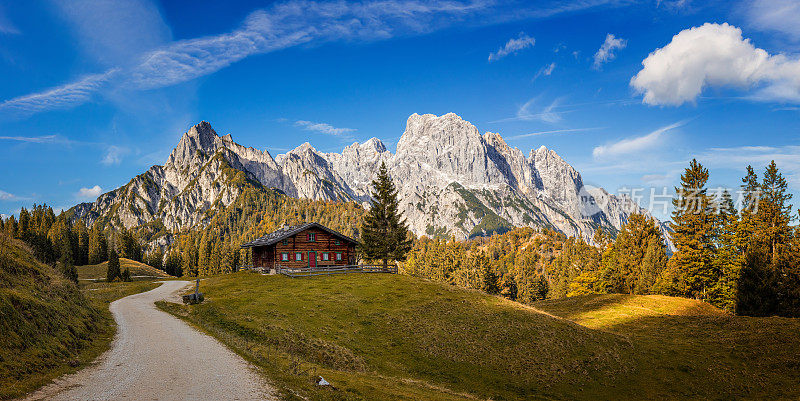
{"points": [[397, 337], [138, 270], [45, 321], [686, 348], [48, 326]]}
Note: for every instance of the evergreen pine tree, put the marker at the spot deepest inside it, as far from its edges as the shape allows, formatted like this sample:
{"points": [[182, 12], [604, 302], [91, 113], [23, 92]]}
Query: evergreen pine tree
{"points": [[490, 283], [65, 264], [693, 226], [113, 266], [384, 232], [727, 260], [125, 275]]}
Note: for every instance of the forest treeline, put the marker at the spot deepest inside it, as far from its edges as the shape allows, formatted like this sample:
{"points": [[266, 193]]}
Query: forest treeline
{"points": [[744, 260], [57, 240]]}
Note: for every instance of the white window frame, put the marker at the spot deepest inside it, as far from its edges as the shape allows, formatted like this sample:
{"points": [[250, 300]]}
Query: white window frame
{"points": [[285, 257], [325, 256], [338, 256], [312, 237], [298, 256]]}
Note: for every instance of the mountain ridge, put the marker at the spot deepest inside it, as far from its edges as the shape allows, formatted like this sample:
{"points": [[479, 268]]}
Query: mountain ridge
{"points": [[451, 179]]}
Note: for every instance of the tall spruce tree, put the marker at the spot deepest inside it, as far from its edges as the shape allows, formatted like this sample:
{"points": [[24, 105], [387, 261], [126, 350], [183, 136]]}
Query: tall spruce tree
{"points": [[384, 233], [693, 226], [727, 260], [113, 271]]}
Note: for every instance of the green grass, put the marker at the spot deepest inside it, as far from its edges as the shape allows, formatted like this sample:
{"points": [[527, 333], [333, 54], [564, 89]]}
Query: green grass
{"points": [[98, 271], [688, 349], [394, 337], [48, 326]]}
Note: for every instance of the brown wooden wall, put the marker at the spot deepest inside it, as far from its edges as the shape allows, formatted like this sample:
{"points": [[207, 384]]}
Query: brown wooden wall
{"points": [[269, 256]]}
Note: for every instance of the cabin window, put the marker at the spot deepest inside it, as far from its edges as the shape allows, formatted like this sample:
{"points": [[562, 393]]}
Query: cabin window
{"points": [[298, 256], [285, 242], [338, 256], [337, 242], [312, 237], [285, 256], [325, 256]]}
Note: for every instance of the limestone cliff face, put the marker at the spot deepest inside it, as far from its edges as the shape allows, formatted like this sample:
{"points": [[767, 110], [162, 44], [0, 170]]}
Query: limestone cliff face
{"points": [[451, 179]]}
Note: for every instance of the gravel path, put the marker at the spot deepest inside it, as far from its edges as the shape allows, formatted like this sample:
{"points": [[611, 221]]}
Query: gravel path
{"points": [[156, 356]]}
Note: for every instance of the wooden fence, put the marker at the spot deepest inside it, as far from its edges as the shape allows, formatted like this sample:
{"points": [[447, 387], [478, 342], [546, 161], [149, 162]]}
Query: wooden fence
{"points": [[328, 270]]}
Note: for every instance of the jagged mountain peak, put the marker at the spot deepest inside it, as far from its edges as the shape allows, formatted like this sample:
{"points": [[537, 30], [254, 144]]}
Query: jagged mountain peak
{"points": [[373, 144], [306, 147], [452, 181]]}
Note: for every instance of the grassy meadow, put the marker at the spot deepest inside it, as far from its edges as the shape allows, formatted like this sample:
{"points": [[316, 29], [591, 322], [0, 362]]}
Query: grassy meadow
{"points": [[395, 337], [139, 271], [50, 326]]}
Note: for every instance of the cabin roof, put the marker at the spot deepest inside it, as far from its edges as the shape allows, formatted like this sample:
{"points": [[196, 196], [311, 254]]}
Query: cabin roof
{"points": [[285, 232]]}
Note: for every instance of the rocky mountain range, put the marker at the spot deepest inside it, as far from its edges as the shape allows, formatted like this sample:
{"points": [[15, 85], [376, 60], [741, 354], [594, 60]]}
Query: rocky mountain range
{"points": [[451, 180]]}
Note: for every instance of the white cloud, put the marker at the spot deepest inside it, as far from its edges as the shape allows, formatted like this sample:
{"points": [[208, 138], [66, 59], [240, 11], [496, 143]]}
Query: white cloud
{"points": [[786, 157], [774, 15], [715, 55], [513, 46], [57, 98], [557, 131], [89, 193], [35, 139], [113, 155], [545, 71], [606, 51], [633, 145], [323, 128], [548, 114], [6, 196]]}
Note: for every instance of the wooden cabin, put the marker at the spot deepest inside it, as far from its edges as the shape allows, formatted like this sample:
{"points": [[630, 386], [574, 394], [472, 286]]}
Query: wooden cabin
{"points": [[306, 245]]}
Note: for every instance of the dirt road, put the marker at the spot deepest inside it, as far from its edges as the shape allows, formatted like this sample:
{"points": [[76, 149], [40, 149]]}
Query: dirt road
{"points": [[156, 356]]}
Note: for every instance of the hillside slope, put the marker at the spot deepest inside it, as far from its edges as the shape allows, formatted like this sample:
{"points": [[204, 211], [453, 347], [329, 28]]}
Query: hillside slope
{"points": [[686, 348], [378, 337], [394, 337], [137, 269], [47, 324]]}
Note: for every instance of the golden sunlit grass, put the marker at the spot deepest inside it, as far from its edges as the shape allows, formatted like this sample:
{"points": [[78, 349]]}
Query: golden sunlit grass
{"points": [[688, 349], [98, 271], [379, 337]]}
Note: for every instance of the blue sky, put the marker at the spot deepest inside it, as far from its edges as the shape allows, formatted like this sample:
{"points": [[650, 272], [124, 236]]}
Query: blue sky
{"points": [[93, 92]]}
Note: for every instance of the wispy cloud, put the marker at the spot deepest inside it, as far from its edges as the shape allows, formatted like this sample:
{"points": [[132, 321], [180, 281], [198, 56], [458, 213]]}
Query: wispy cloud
{"points": [[774, 15], [548, 114], [89, 193], [606, 51], [280, 26], [557, 131], [513, 46], [36, 139], [786, 157], [635, 144], [57, 98], [324, 128], [545, 71], [115, 33], [6, 196], [6, 26], [113, 155]]}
